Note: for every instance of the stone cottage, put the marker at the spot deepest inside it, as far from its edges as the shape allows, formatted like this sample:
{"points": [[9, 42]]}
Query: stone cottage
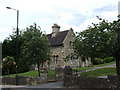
{"points": [[61, 46]]}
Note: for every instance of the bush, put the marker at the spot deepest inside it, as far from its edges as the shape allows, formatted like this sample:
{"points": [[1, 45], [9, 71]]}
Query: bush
{"points": [[8, 65], [109, 59], [97, 61]]}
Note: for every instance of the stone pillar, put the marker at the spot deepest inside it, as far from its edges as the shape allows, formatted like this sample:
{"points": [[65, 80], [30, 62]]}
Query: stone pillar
{"points": [[43, 75], [67, 70], [59, 73]]}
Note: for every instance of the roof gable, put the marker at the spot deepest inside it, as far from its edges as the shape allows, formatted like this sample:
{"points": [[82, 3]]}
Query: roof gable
{"points": [[58, 39]]}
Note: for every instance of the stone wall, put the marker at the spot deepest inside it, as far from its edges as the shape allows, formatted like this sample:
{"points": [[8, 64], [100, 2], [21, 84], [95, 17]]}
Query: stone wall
{"points": [[23, 80], [90, 82]]}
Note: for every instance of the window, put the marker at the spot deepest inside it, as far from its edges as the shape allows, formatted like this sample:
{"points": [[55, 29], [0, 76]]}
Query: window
{"points": [[70, 45], [55, 58]]}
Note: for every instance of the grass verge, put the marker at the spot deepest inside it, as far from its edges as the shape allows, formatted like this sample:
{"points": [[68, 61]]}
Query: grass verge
{"points": [[83, 68], [33, 73]]}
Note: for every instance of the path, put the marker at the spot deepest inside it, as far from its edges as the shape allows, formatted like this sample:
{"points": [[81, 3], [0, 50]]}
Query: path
{"points": [[95, 68]]}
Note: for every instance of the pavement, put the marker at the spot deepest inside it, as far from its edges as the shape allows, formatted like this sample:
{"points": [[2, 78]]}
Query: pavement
{"points": [[11, 86]]}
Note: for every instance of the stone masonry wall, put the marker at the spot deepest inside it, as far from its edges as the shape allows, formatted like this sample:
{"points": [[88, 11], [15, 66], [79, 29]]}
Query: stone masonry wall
{"points": [[90, 82]]}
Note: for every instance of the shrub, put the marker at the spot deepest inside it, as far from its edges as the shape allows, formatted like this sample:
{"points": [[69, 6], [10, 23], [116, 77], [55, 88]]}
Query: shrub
{"points": [[97, 61], [8, 65], [109, 59]]}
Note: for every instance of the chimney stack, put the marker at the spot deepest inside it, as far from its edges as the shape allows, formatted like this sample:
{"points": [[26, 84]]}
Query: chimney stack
{"points": [[55, 29]]}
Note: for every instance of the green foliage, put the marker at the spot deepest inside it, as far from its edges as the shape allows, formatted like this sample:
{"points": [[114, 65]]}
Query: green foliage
{"points": [[9, 46], [9, 49], [8, 64], [95, 41], [109, 59], [100, 41], [100, 72], [35, 47], [97, 61]]}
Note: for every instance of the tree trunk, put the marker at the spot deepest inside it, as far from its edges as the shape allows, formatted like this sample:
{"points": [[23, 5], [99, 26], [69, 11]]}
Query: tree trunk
{"points": [[38, 65], [8, 71], [118, 65], [118, 71]]}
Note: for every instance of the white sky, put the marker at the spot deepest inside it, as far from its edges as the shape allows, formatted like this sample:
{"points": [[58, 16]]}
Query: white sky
{"points": [[77, 14]]}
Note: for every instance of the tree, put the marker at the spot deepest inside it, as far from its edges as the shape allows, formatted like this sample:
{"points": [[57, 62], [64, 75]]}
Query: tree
{"points": [[35, 48], [116, 45], [100, 41], [9, 45], [7, 63]]}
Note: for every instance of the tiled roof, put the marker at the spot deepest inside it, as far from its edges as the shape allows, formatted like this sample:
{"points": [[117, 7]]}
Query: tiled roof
{"points": [[58, 39]]}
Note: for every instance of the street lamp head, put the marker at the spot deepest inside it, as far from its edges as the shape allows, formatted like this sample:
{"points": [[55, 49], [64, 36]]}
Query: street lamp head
{"points": [[8, 7]]}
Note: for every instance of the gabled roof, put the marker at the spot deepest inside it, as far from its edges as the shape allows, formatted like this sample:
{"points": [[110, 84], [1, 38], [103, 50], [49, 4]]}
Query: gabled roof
{"points": [[58, 39]]}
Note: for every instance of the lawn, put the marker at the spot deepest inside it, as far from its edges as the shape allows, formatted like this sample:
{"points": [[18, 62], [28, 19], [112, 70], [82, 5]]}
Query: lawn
{"points": [[100, 72], [34, 73]]}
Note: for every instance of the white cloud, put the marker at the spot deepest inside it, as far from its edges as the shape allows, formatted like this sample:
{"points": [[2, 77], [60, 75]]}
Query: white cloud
{"points": [[47, 12], [110, 15]]}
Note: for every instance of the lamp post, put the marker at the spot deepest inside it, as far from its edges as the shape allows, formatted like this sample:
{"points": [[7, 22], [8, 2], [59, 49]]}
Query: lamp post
{"points": [[17, 34]]}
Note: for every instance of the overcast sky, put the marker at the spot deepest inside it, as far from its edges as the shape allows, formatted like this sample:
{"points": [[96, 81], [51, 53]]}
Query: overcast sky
{"points": [[76, 14]]}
